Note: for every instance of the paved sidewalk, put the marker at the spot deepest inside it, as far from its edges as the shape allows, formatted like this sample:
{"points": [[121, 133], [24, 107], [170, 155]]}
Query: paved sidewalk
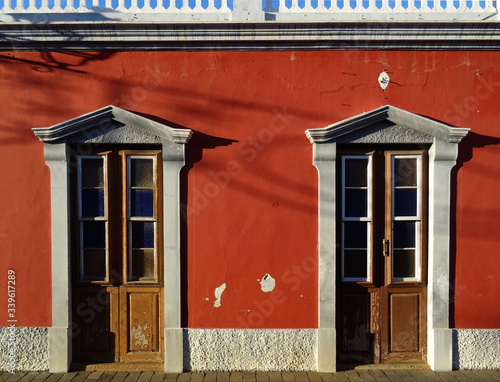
{"points": [[372, 375]]}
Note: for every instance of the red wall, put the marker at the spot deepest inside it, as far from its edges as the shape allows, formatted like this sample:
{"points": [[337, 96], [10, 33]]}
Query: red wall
{"points": [[251, 188]]}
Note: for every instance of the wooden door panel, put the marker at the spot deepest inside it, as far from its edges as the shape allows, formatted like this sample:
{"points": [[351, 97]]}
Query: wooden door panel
{"points": [[143, 321], [404, 341], [95, 324], [356, 322], [404, 319], [359, 323], [140, 324]]}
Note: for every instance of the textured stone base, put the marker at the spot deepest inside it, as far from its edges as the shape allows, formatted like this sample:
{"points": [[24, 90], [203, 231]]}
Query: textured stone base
{"points": [[31, 348], [250, 349], [476, 349]]}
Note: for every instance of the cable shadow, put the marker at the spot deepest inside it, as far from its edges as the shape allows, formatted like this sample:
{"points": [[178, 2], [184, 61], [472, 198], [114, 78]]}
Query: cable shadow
{"points": [[49, 62]]}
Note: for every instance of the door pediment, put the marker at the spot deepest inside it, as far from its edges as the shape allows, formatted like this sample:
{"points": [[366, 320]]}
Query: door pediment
{"points": [[386, 124], [111, 124]]}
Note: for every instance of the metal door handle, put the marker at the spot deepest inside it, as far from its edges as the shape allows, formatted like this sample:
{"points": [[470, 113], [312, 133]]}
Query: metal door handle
{"points": [[385, 247]]}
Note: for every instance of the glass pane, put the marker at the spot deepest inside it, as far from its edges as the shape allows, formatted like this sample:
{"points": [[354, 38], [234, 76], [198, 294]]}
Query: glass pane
{"points": [[404, 234], [94, 264], [355, 263], [355, 234], [141, 173], [356, 171], [94, 234], [405, 172], [143, 235], [141, 203], [355, 203], [92, 172], [93, 202], [405, 202], [403, 263], [142, 265]]}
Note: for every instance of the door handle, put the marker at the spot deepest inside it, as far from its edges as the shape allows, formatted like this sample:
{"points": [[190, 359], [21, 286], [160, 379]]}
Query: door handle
{"points": [[385, 247]]}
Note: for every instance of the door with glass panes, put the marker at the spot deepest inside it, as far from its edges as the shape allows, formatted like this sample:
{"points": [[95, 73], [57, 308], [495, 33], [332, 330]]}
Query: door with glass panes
{"points": [[381, 281], [117, 263]]}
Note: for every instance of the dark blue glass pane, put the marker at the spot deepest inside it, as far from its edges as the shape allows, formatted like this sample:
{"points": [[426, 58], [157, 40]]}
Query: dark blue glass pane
{"points": [[94, 264], [94, 234], [141, 203], [355, 263], [356, 171], [405, 202], [404, 263], [404, 234], [355, 234], [355, 203], [92, 202], [143, 235]]}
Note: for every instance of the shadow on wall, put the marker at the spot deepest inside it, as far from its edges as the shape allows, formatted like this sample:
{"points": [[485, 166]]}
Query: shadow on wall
{"points": [[197, 144], [23, 110], [465, 153], [454, 351], [194, 153], [50, 61]]}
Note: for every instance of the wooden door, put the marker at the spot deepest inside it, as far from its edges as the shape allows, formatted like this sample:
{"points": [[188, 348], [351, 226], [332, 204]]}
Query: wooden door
{"points": [[117, 272], [381, 288]]}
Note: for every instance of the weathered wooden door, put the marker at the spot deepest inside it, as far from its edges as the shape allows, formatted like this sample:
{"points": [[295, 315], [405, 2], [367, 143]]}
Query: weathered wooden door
{"points": [[117, 267], [381, 288]]}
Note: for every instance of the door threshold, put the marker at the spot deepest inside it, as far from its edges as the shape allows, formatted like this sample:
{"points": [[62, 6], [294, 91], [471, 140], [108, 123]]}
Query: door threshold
{"points": [[122, 366], [384, 366]]}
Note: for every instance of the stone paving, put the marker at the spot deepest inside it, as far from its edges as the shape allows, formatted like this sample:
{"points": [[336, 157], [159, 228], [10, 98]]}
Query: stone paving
{"points": [[357, 375]]}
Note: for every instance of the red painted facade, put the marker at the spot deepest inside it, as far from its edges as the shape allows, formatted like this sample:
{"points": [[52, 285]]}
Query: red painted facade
{"points": [[249, 183]]}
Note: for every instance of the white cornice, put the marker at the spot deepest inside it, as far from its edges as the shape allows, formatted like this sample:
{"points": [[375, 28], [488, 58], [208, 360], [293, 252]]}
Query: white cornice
{"points": [[102, 118], [337, 35]]}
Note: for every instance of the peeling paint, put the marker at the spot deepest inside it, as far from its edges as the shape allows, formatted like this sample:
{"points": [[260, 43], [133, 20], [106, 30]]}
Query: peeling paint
{"points": [[218, 295], [267, 283], [137, 333]]}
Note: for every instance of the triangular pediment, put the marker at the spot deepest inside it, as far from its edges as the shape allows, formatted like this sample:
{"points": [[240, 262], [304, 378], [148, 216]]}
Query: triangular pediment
{"points": [[386, 124], [112, 124]]}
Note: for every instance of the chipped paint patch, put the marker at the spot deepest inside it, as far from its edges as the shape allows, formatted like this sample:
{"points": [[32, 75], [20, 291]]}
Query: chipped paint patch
{"points": [[218, 295], [137, 333], [267, 283]]}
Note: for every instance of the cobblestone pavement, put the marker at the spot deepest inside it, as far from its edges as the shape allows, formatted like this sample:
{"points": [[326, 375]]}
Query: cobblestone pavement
{"points": [[372, 375]]}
